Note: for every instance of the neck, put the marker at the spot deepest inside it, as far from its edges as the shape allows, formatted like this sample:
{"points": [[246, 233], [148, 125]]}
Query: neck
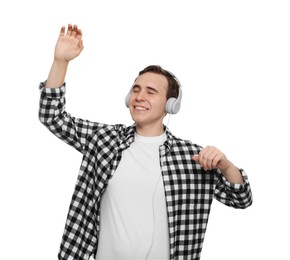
{"points": [[149, 130]]}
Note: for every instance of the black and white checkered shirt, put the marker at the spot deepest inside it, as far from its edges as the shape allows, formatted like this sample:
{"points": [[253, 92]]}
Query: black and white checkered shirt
{"points": [[189, 189]]}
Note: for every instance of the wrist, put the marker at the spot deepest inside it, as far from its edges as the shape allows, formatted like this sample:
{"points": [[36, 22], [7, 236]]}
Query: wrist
{"points": [[57, 74], [60, 62], [232, 174], [229, 167]]}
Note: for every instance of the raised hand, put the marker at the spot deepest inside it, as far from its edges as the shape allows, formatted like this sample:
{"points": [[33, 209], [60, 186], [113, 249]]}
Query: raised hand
{"points": [[69, 44]]}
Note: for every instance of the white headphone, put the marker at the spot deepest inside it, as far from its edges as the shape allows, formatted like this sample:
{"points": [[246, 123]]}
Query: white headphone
{"points": [[172, 104]]}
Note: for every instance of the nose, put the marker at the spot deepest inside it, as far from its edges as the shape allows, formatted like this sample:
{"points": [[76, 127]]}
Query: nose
{"points": [[140, 96]]}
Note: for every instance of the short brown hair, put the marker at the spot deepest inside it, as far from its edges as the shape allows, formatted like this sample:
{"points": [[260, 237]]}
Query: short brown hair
{"points": [[173, 84]]}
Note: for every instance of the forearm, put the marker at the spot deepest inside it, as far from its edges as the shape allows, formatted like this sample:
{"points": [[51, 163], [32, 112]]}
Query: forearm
{"points": [[234, 194], [52, 114], [232, 174], [57, 73]]}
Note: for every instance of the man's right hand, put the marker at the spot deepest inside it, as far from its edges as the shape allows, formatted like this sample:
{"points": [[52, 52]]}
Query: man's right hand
{"points": [[69, 44]]}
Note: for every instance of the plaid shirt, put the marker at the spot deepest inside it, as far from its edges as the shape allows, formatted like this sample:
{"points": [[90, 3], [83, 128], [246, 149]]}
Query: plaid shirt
{"points": [[189, 189]]}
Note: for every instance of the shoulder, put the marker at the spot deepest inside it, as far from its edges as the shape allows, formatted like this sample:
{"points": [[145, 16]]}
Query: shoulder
{"points": [[184, 144], [109, 137], [106, 132], [123, 130], [119, 132]]}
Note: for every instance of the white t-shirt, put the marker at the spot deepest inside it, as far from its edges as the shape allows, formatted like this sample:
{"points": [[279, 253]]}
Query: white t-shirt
{"points": [[133, 224]]}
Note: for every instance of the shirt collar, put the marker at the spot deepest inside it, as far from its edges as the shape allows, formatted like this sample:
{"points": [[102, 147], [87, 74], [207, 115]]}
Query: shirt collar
{"points": [[130, 137]]}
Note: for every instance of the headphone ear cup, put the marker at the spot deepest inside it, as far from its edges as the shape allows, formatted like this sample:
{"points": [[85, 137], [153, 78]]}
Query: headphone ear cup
{"points": [[172, 106], [176, 107], [127, 99], [169, 105]]}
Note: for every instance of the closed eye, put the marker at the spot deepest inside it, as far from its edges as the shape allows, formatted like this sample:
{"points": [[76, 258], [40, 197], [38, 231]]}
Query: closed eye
{"points": [[136, 89], [151, 90]]}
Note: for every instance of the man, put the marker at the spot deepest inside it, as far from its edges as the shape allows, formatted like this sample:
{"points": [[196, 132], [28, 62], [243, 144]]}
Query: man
{"points": [[141, 193]]}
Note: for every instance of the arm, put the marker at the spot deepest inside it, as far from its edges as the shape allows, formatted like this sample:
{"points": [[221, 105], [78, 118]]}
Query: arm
{"points": [[52, 114], [233, 188], [210, 157], [68, 47], [52, 100]]}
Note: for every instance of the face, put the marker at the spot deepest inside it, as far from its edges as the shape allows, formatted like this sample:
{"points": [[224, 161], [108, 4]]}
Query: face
{"points": [[148, 100]]}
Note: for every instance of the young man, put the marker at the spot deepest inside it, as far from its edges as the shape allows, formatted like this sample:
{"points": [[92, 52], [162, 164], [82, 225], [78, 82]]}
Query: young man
{"points": [[141, 193]]}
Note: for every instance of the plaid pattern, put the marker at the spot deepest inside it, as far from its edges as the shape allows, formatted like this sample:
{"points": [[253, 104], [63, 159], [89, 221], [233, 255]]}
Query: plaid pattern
{"points": [[189, 190]]}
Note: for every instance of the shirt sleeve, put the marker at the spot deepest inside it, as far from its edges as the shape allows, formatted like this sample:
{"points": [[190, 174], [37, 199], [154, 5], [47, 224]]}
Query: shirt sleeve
{"points": [[52, 114], [232, 194]]}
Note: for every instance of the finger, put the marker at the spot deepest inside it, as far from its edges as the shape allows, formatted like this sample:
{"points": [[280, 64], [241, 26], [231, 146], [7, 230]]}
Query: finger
{"points": [[195, 157], [69, 30], [74, 30], [206, 157], [62, 30], [79, 34], [81, 45], [210, 159], [209, 163], [216, 160], [202, 156]]}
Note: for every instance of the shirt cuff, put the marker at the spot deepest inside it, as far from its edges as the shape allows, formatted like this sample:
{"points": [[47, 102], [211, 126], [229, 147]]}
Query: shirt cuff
{"points": [[52, 93], [236, 186]]}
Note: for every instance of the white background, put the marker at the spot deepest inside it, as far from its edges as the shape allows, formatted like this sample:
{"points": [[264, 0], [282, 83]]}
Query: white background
{"points": [[232, 58]]}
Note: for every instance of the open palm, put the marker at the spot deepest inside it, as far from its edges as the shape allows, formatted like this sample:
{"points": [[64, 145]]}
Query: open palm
{"points": [[69, 45]]}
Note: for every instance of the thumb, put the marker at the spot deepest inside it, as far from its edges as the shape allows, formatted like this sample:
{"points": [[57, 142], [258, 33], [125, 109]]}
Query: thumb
{"points": [[195, 157]]}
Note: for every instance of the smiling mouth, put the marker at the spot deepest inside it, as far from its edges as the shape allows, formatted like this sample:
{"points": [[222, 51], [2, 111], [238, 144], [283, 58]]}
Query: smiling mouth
{"points": [[140, 108]]}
